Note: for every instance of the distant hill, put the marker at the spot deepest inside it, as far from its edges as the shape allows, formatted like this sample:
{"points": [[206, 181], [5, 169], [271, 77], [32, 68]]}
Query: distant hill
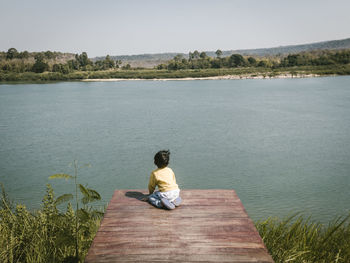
{"points": [[283, 50], [151, 60]]}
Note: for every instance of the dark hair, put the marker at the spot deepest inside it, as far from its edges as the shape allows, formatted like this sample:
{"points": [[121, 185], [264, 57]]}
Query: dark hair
{"points": [[161, 159]]}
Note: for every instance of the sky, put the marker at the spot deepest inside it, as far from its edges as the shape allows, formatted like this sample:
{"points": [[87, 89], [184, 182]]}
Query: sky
{"points": [[118, 27]]}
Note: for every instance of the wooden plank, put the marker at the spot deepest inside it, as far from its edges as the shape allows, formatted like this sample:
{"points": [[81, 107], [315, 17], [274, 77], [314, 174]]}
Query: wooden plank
{"points": [[210, 226], [111, 221], [110, 237], [237, 258]]}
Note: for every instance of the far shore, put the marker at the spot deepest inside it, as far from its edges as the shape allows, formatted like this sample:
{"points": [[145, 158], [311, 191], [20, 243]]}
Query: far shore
{"points": [[280, 76]]}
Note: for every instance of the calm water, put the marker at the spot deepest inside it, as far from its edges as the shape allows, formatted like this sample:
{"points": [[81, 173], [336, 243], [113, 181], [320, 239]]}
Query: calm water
{"points": [[283, 144]]}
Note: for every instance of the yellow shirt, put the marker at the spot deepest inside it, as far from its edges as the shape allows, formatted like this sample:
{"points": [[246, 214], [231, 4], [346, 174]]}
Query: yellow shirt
{"points": [[164, 178]]}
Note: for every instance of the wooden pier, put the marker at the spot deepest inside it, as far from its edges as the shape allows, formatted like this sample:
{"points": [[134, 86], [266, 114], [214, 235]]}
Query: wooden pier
{"points": [[209, 226]]}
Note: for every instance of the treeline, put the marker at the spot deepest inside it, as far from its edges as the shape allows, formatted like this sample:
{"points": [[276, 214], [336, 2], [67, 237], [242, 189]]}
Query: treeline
{"points": [[48, 61], [200, 60], [56, 66]]}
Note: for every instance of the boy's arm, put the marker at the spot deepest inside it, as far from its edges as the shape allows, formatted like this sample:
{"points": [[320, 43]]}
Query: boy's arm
{"points": [[145, 198], [174, 177], [152, 183]]}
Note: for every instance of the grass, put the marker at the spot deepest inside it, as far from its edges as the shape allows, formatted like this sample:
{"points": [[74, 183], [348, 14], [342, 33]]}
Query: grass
{"points": [[48, 234], [296, 239]]}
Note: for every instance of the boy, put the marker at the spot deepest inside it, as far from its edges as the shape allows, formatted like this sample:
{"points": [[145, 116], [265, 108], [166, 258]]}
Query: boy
{"points": [[168, 192]]}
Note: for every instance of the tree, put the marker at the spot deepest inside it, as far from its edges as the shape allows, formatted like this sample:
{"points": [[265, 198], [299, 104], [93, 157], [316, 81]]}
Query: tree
{"points": [[83, 60], [342, 57], [73, 64], [6, 66], [216, 63], [292, 60], [252, 61], [262, 63], [12, 53], [196, 54], [118, 63], [126, 67], [324, 60], [173, 65], [23, 55], [190, 56], [56, 68], [236, 60], [109, 63], [178, 57], [49, 55], [39, 65], [204, 63], [218, 53], [203, 55], [62, 68], [162, 66]]}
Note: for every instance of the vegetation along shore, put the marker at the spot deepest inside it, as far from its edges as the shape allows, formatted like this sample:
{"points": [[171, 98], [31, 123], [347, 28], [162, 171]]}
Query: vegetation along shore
{"points": [[55, 66], [51, 234]]}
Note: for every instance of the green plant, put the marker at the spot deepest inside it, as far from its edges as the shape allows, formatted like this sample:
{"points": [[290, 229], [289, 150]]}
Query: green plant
{"points": [[48, 234], [88, 196], [296, 239]]}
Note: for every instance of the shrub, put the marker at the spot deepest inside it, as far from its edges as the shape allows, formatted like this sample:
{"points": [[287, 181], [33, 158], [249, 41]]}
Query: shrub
{"points": [[49, 235]]}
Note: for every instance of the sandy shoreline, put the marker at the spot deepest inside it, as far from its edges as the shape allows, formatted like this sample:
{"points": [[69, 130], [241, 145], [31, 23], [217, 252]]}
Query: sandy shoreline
{"points": [[280, 76]]}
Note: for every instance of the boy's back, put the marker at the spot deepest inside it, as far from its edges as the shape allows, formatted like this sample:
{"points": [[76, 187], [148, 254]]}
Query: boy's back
{"points": [[164, 178]]}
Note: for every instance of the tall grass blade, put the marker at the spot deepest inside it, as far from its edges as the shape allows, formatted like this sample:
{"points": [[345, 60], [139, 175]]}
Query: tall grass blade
{"points": [[335, 228], [90, 195], [61, 176], [63, 198]]}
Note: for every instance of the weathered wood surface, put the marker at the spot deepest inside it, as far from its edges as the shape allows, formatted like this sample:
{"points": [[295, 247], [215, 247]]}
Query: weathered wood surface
{"points": [[209, 226]]}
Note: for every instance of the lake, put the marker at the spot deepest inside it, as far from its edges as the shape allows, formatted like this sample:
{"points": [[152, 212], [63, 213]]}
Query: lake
{"points": [[282, 144]]}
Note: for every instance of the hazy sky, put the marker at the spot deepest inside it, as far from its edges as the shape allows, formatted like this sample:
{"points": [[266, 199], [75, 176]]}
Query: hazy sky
{"points": [[154, 26]]}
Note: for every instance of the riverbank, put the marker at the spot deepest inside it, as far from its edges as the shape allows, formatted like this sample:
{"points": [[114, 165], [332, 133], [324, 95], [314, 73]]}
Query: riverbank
{"points": [[231, 77], [186, 74]]}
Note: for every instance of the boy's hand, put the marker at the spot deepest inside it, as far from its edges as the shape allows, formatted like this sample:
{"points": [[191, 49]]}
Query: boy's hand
{"points": [[145, 198]]}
